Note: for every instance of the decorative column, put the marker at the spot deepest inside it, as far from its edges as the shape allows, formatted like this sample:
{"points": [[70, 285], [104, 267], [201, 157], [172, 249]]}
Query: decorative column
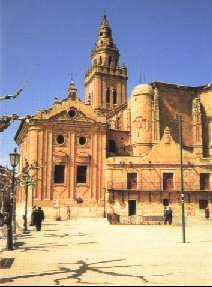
{"points": [[73, 167], [49, 164], [155, 117], [197, 128], [41, 161], [33, 157], [210, 138], [94, 165]]}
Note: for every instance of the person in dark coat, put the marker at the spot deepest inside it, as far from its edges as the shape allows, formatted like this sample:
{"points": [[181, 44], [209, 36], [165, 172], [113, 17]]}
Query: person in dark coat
{"points": [[207, 213], [34, 209], [1, 219], [169, 215], [38, 218], [165, 216]]}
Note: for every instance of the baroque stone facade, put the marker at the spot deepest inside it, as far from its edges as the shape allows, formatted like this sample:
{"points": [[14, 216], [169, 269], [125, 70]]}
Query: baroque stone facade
{"points": [[118, 153]]}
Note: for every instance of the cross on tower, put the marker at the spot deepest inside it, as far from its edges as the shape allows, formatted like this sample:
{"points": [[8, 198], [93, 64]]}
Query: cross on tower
{"points": [[71, 77]]}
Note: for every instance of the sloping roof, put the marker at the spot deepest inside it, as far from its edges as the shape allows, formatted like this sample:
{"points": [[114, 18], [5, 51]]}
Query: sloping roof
{"points": [[117, 110]]}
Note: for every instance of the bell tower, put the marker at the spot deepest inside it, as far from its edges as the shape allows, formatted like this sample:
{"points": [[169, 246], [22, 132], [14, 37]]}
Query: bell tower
{"points": [[106, 81]]}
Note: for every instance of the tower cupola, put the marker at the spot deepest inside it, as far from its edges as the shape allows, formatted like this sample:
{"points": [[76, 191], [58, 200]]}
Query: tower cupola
{"points": [[72, 90], [105, 52], [105, 81]]}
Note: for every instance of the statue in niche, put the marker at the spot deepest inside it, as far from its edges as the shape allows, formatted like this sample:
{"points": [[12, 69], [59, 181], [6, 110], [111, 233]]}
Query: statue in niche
{"points": [[167, 136], [142, 123]]}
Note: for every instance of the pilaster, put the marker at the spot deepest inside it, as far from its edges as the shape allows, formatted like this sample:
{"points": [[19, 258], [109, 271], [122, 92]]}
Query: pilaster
{"points": [[197, 128]]}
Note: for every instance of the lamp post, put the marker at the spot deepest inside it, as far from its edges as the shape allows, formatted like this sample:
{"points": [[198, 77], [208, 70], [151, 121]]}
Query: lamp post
{"points": [[182, 178], [14, 209], [33, 188], [105, 215], [27, 178], [14, 160]]}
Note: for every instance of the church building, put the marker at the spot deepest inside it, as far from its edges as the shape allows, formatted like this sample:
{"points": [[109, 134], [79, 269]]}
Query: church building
{"points": [[117, 153]]}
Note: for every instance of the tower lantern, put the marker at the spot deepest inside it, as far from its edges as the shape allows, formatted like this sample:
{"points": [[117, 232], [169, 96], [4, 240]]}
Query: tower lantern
{"points": [[105, 81], [72, 90]]}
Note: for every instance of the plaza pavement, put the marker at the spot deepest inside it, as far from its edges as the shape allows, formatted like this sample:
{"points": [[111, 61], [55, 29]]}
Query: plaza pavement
{"points": [[91, 252]]}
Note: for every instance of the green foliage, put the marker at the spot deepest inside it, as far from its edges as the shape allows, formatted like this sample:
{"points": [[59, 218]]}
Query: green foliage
{"points": [[79, 200]]}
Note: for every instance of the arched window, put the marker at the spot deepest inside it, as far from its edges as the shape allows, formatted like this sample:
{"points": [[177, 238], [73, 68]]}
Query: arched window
{"points": [[112, 146], [100, 60], [108, 95], [114, 97]]}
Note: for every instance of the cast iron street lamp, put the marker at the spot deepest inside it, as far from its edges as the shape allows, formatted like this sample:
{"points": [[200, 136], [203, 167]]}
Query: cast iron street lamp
{"points": [[105, 212], [14, 160], [28, 180], [26, 176], [182, 178]]}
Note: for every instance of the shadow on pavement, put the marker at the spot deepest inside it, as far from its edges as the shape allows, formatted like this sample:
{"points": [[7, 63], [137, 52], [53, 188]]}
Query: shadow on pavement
{"points": [[57, 235], [41, 247], [65, 235], [84, 267], [45, 246]]}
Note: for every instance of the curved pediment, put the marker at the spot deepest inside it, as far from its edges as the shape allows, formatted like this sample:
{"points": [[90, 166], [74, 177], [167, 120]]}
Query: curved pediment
{"points": [[72, 115], [60, 111], [167, 151]]}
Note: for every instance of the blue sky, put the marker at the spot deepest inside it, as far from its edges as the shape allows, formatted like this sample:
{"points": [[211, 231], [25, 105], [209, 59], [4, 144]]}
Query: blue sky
{"points": [[167, 40]]}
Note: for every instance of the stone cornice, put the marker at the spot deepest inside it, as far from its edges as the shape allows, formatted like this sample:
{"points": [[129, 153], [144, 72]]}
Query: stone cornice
{"points": [[176, 86], [21, 132], [107, 71], [157, 165]]}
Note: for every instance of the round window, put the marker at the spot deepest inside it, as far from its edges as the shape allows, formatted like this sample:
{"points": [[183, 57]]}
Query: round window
{"points": [[72, 113], [60, 139], [82, 140]]}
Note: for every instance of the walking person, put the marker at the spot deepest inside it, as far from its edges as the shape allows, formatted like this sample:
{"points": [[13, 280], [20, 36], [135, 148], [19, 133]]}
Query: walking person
{"points": [[38, 218], [165, 216], [1, 219], [68, 212], [34, 209], [169, 215], [207, 213]]}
